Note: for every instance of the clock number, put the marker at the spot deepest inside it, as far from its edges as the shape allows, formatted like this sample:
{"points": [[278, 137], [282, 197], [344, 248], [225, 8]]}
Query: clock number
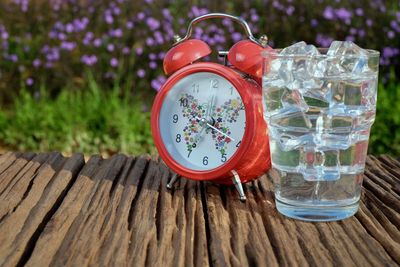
{"points": [[231, 90], [175, 118], [190, 151], [184, 102], [238, 144], [205, 160], [194, 145], [214, 83], [195, 88], [178, 138], [223, 157]]}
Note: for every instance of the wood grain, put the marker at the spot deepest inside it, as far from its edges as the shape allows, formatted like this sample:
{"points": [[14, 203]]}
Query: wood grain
{"points": [[58, 211]]}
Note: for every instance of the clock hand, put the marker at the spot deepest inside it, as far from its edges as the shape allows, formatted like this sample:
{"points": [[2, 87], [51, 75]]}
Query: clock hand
{"points": [[219, 131], [210, 105], [203, 120]]}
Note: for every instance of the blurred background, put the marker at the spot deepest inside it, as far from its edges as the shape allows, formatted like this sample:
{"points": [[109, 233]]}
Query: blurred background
{"points": [[81, 75]]}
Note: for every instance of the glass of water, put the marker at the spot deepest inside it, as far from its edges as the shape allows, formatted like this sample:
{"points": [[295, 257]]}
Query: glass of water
{"points": [[319, 105]]}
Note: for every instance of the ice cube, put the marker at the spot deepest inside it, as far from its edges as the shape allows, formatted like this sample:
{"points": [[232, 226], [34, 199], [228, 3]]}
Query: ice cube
{"points": [[293, 98], [300, 48], [319, 165], [353, 59], [368, 92], [294, 140], [273, 97], [316, 99], [333, 130], [295, 69], [334, 123], [349, 92], [286, 160], [295, 120]]}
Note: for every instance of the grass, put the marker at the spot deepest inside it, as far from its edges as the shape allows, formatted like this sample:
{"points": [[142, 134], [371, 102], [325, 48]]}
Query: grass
{"points": [[91, 121], [103, 121]]}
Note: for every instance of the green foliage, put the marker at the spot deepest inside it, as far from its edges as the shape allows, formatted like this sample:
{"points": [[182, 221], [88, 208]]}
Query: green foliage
{"points": [[385, 134], [92, 121]]}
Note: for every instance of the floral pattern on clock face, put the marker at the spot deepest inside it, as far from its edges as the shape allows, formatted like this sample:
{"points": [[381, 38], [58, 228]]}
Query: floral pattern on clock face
{"points": [[226, 113], [202, 121]]}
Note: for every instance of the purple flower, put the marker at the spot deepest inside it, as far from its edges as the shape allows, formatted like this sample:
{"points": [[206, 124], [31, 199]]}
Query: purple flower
{"points": [[108, 18], [141, 73], [52, 34], [166, 13], [161, 55], [129, 25], [152, 23], [359, 12], [53, 54], [361, 33], [126, 50], [97, 42], [140, 16], [290, 10], [159, 38], [350, 38], [395, 25], [80, 25], [254, 17], [236, 36], [149, 41], [329, 13], [68, 45], [45, 49], [369, 22], [148, 1], [157, 83], [49, 65], [314, 22], [153, 65], [139, 51], [390, 34], [343, 14], [116, 10], [13, 57], [114, 62], [29, 81], [36, 63], [61, 36], [89, 60], [4, 35], [389, 52], [116, 33], [69, 28], [323, 40], [110, 47], [152, 56], [89, 35]]}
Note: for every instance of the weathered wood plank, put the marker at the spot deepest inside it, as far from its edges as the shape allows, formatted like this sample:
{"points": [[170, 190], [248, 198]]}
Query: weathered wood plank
{"points": [[56, 211], [18, 182], [129, 215], [14, 168], [56, 229], [21, 228], [7, 159]]}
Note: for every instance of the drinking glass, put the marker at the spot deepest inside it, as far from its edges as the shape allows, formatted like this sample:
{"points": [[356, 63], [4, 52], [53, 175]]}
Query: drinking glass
{"points": [[319, 107]]}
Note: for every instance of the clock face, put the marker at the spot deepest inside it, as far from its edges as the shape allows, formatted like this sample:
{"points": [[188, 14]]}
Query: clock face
{"points": [[202, 121]]}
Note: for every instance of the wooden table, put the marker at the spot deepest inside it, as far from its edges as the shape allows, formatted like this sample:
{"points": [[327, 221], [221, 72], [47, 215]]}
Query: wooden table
{"points": [[57, 211]]}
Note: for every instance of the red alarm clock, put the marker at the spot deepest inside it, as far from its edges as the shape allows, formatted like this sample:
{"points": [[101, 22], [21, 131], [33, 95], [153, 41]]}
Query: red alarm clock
{"points": [[207, 119]]}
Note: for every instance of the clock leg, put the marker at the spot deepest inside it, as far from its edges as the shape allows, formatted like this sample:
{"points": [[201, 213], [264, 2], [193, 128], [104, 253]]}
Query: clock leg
{"points": [[238, 184], [171, 182]]}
